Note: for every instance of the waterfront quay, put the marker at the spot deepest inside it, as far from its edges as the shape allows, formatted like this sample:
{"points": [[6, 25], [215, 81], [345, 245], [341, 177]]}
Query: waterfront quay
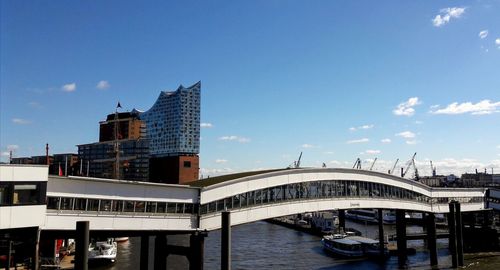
{"points": [[81, 208]]}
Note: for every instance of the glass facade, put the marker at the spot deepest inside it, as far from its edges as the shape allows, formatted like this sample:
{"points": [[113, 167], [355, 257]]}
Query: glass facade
{"points": [[315, 190], [173, 123], [66, 204]]}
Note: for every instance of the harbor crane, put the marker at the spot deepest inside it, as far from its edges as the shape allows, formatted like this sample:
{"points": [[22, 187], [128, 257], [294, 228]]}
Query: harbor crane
{"points": [[373, 163], [394, 167], [433, 169], [357, 164], [410, 162], [296, 164]]}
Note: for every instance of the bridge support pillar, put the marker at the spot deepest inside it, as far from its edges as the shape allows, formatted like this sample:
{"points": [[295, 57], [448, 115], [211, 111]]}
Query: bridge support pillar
{"points": [[341, 220], [82, 245], [401, 236], [452, 242], [431, 238], [226, 241], [196, 246], [381, 232], [460, 241], [144, 260], [160, 260]]}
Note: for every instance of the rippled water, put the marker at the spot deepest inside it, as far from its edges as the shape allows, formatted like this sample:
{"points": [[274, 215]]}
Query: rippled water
{"points": [[262, 245]]}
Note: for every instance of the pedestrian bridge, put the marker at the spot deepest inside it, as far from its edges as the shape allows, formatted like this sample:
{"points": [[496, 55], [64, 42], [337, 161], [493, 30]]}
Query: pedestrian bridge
{"points": [[293, 191], [139, 206], [27, 198]]}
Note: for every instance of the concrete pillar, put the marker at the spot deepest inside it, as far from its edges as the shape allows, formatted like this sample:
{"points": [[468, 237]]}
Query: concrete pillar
{"points": [[460, 241], [401, 236], [144, 259], [82, 245], [431, 238], [341, 220], [196, 246], [226, 241], [160, 259], [452, 242], [381, 232], [36, 255]]}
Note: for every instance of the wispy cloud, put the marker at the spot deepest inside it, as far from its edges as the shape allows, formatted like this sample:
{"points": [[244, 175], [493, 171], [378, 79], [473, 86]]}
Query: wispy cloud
{"points": [[364, 140], [20, 121], [483, 34], [406, 108], [206, 125], [220, 161], [372, 152], [362, 127], [480, 108], [234, 138], [70, 87], [306, 145], [386, 140], [411, 142], [103, 85], [12, 147], [406, 134], [34, 104], [497, 42], [446, 14]]}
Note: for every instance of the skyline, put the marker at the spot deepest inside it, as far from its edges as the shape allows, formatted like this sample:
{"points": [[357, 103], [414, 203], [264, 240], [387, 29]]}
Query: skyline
{"points": [[336, 81]]}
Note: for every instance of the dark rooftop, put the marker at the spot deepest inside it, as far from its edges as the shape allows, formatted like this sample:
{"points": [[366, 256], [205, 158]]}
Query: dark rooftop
{"points": [[223, 178]]}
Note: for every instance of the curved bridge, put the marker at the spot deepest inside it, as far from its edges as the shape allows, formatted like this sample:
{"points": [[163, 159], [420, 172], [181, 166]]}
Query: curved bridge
{"points": [[294, 191]]}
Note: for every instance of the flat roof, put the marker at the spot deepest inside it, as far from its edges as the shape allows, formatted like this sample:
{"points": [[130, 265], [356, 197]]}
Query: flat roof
{"points": [[223, 178]]}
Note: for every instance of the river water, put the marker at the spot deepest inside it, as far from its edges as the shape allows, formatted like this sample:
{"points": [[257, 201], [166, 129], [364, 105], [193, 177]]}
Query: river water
{"points": [[262, 245]]}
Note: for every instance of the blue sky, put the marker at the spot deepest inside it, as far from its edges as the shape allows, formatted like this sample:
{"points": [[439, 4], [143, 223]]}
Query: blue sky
{"points": [[336, 80]]}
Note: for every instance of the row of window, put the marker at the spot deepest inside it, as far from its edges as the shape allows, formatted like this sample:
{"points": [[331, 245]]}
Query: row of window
{"points": [[323, 190], [22, 193], [119, 206]]}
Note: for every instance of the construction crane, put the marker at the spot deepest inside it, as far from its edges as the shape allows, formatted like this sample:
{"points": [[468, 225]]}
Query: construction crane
{"points": [[417, 177], [297, 164], [373, 163], [357, 164], [433, 169], [410, 162], [394, 167]]}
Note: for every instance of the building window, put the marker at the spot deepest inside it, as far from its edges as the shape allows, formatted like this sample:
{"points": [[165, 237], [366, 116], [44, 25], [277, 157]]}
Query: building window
{"points": [[25, 194], [187, 164]]}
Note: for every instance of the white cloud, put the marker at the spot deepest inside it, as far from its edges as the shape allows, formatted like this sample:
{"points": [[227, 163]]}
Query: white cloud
{"points": [[103, 85], [498, 146], [234, 138], [483, 34], [364, 140], [12, 147], [331, 152], [447, 14], [220, 161], [70, 87], [406, 134], [482, 107], [362, 127], [20, 121], [411, 142], [386, 140], [372, 152], [206, 172], [418, 122], [497, 42], [206, 125], [306, 145], [406, 108], [5, 153]]}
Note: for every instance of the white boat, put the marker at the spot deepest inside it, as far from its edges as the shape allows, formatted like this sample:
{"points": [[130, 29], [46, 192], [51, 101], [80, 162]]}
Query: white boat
{"points": [[352, 246], [103, 251], [340, 245]]}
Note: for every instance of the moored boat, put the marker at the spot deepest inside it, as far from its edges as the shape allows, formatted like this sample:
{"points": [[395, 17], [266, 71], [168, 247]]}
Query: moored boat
{"points": [[103, 251], [340, 245]]}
